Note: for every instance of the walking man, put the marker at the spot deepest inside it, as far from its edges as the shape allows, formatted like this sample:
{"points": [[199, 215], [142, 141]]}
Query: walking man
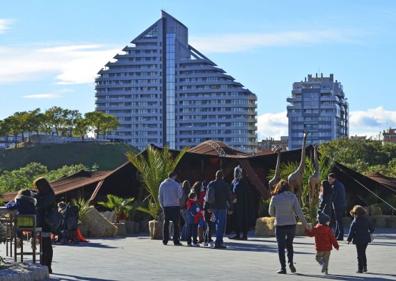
{"points": [[218, 196], [169, 196], [339, 205]]}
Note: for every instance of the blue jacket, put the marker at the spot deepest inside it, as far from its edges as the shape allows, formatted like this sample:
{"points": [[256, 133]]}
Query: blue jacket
{"points": [[339, 197], [360, 230]]}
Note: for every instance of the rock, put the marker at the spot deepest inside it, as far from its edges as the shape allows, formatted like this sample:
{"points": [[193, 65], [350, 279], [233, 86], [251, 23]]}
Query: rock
{"points": [[24, 272], [98, 225], [265, 227], [121, 229], [110, 215]]}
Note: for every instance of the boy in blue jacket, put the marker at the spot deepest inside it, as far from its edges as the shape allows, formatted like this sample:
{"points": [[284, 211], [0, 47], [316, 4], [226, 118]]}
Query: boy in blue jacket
{"points": [[360, 235]]}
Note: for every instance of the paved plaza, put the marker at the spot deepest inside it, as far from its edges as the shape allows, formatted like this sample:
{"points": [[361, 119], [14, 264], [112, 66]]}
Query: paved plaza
{"points": [[139, 258]]}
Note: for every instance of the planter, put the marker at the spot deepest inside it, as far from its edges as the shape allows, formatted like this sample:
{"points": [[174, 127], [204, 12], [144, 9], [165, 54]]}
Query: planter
{"points": [[121, 229], [155, 229], [132, 227]]}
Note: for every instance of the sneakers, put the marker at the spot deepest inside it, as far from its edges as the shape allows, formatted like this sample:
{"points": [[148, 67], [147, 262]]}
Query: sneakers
{"points": [[281, 271], [292, 268]]}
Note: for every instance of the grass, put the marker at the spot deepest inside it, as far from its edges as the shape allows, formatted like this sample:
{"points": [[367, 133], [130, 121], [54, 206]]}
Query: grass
{"points": [[106, 156]]}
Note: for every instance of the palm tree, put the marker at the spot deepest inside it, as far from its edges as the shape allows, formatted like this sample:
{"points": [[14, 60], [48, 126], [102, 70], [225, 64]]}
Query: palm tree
{"points": [[154, 167], [121, 207]]}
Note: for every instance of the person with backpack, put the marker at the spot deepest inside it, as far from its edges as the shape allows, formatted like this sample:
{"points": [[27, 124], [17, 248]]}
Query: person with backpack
{"points": [[219, 198], [47, 218]]}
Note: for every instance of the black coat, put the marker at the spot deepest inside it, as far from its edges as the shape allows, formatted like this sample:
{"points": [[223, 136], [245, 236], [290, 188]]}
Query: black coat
{"points": [[222, 194], [360, 230], [325, 202], [339, 196], [45, 203]]}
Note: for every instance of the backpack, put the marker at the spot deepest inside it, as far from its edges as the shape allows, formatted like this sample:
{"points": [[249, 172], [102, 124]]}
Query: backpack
{"points": [[54, 220]]}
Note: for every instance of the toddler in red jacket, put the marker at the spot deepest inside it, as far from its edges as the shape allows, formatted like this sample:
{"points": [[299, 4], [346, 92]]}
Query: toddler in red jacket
{"points": [[324, 241]]}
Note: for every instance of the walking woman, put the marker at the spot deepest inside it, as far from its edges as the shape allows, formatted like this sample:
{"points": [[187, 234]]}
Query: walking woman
{"points": [[45, 204], [284, 207], [186, 187]]}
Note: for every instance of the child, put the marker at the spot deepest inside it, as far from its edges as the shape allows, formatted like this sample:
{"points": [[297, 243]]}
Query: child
{"points": [[194, 215], [360, 234], [324, 241]]}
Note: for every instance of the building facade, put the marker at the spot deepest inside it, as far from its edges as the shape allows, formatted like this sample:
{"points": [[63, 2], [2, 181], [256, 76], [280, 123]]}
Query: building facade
{"points": [[269, 144], [165, 92], [318, 106], [389, 135]]}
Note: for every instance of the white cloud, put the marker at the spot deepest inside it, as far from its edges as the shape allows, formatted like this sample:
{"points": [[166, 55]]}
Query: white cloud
{"points": [[363, 123], [372, 121], [5, 25], [230, 43], [71, 64], [272, 125], [43, 96]]}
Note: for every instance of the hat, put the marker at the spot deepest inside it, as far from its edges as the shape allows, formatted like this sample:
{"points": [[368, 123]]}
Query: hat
{"points": [[323, 218]]}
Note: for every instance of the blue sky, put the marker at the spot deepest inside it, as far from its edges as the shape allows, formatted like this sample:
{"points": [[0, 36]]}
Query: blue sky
{"points": [[50, 51]]}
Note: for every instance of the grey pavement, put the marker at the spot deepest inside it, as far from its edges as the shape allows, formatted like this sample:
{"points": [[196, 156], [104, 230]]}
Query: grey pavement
{"points": [[139, 258]]}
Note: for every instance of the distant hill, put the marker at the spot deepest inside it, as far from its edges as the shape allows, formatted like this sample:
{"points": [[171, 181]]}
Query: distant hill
{"points": [[106, 156]]}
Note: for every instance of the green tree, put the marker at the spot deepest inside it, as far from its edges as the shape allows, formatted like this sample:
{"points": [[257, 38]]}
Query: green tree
{"points": [[81, 128], [153, 168], [100, 122]]}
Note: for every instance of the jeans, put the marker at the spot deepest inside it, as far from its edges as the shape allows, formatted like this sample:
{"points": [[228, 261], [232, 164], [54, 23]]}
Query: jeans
{"points": [[221, 220], [284, 237], [339, 228], [361, 255], [171, 214], [192, 229]]}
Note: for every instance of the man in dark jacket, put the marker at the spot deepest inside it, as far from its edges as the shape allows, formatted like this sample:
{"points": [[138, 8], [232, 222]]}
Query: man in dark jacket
{"points": [[339, 205], [219, 198]]}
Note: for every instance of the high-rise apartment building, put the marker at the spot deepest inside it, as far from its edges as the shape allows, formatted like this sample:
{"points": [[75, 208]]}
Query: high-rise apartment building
{"points": [[165, 92], [318, 105]]}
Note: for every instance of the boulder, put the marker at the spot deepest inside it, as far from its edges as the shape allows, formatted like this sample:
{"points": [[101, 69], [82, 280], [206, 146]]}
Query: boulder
{"points": [[98, 225], [110, 215], [265, 227], [121, 229]]}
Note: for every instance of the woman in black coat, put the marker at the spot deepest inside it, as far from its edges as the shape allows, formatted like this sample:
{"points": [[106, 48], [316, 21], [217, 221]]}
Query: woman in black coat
{"points": [[325, 199], [45, 205]]}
